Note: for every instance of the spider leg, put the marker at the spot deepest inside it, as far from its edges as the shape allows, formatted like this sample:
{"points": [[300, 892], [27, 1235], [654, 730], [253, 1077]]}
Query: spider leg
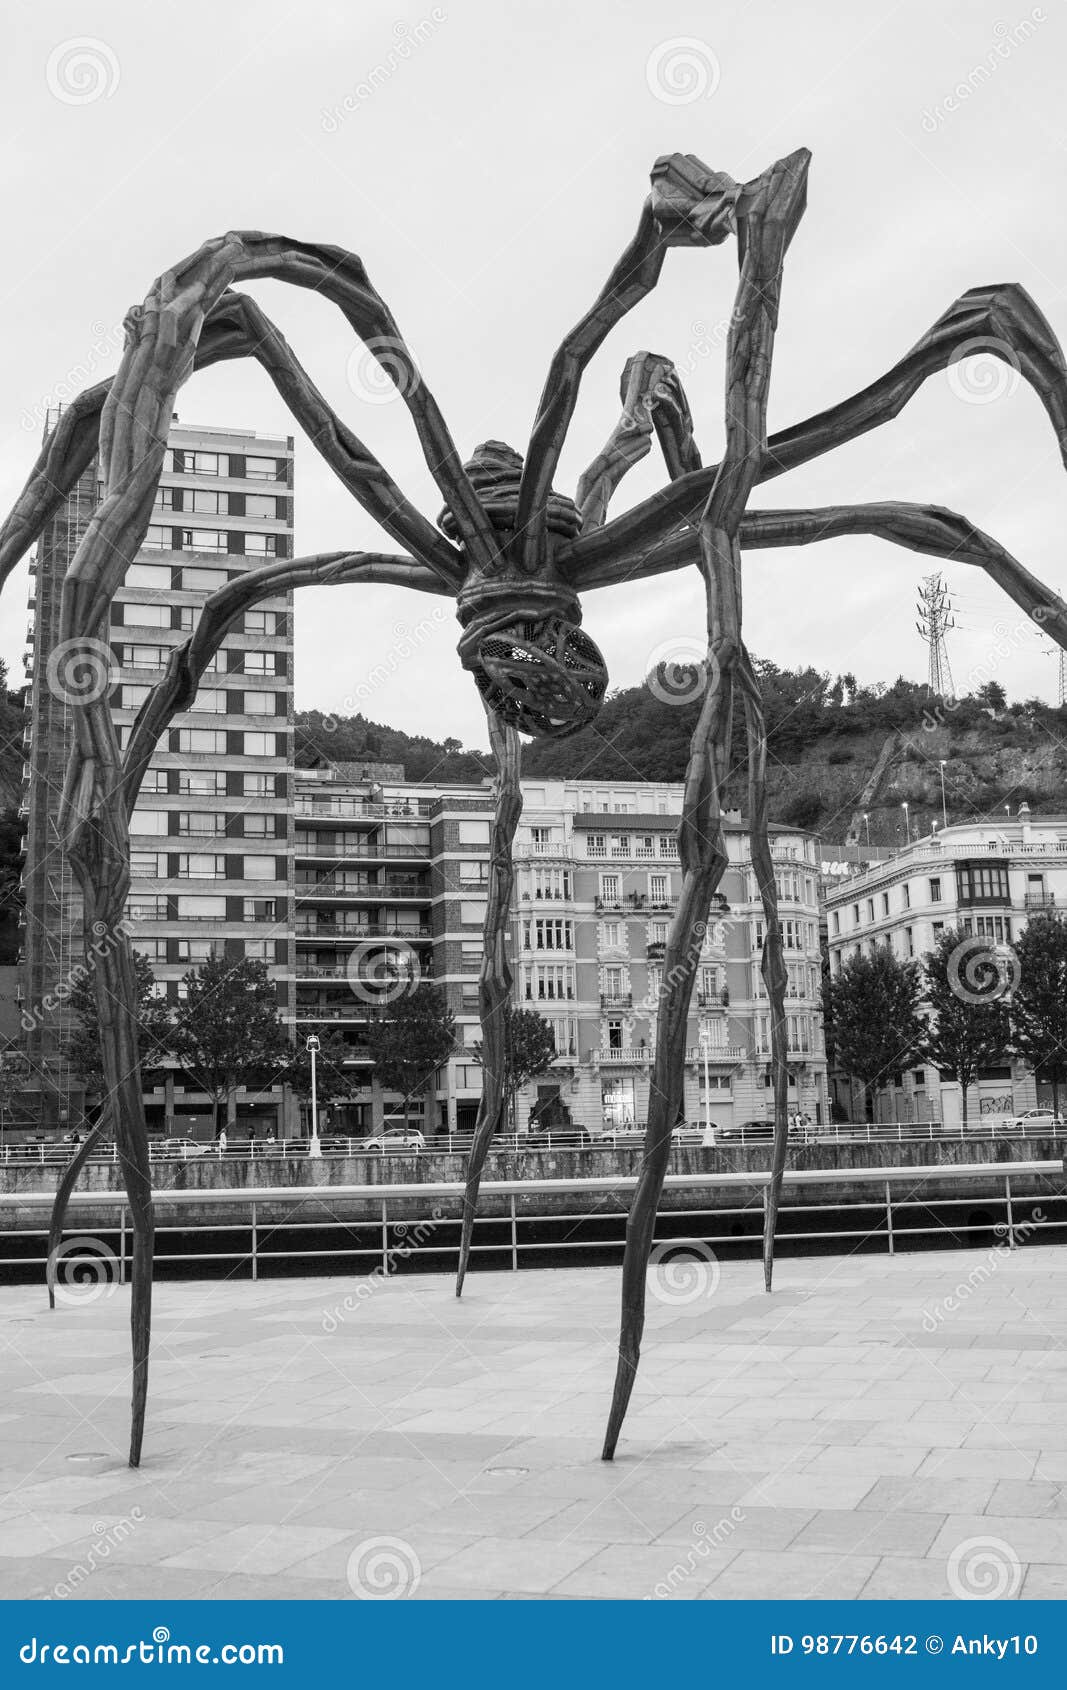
{"points": [[494, 980], [767, 219], [652, 399], [1001, 320]]}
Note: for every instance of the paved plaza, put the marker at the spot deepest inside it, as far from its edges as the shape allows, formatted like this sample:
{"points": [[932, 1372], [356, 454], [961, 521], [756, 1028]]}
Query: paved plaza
{"points": [[879, 1427]]}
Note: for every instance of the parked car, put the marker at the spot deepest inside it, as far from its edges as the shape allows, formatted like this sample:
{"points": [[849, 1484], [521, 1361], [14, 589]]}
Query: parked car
{"points": [[745, 1131], [1035, 1120], [180, 1147], [394, 1139]]}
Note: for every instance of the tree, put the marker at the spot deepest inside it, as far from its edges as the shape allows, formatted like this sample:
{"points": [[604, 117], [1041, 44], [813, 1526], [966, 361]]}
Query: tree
{"points": [[873, 1006], [1038, 1009], [154, 1028], [530, 1050], [332, 1081], [965, 993], [409, 1038], [227, 1033]]}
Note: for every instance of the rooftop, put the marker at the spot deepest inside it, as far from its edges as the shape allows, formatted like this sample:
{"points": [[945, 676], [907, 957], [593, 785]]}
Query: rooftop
{"points": [[847, 1436]]}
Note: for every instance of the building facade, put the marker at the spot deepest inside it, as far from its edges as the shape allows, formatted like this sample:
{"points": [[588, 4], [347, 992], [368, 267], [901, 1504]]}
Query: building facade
{"points": [[983, 877], [596, 888], [211, 836]]}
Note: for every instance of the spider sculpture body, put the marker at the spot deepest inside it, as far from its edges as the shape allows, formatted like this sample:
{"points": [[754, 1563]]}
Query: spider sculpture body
{"points": [[516, 557]]}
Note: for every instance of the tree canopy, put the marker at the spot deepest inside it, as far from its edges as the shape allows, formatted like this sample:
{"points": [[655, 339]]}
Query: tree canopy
{"points": [[872, 1005], [409, 1038]]}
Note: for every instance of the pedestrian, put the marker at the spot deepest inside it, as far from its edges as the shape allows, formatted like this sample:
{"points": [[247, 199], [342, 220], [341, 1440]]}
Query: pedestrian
{"points": [[223, 1141], [272, 1142]]}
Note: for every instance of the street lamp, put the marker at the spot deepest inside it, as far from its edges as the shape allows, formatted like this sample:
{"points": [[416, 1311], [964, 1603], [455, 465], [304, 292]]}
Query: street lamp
{"points": [[907, 821], [314, 1147], [944, 806], [705, 1045], [867, 825]]}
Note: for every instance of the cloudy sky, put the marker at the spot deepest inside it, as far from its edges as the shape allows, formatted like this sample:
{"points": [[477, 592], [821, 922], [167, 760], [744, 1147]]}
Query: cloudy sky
{"points": [[488, 162]]}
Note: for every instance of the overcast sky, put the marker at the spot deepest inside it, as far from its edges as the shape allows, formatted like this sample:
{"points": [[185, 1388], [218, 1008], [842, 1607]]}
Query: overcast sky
{"points": [[489, 167]]}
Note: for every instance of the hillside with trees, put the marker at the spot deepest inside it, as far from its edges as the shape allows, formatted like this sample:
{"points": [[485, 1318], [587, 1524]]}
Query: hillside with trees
{"points": [[828, 738]]}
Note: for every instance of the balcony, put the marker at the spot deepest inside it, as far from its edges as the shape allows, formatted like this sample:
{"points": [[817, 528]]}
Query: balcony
{"points": [[609, 1056], [337, 932], [1040, 900], [342, 853], [370, 891], [616, 1000], [329, 809], [712, 1000]]}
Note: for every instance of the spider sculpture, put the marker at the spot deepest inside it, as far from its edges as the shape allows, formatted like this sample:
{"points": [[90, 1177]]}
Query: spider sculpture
{"points": [[516, 556]]}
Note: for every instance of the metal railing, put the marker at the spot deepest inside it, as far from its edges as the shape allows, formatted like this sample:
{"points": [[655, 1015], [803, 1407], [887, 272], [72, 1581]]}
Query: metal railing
{"points": [[885, 1205]]}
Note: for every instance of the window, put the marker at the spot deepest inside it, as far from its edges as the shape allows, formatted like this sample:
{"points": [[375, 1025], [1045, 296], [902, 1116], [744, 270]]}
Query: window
{"points": [[885, 903], [609, 888], [260, 909], [471, 915], [202, 783], [203, 580], [262, 621], [148, 865], [212, 700], [145, 656], [136, 615], [203, 540], [260, 545], [475, 871], [550, 934], [206, 502], [188, 617], [157, 538], [258, 662], [596, 845], [905, 893], [549, 983], [263, 704], [155, 781], [658, 888], [552, 883], [870, 909], [939, 928], [261, 506], [199, 463], [476, 832], [837, 921], [611, 934], [202, 740], [210, 823], [261, 469], [982, 883], [259, 950], [260, 868], [909, 941], [260, 745], [657, 932], [154, 949], [201, 866], [193, 908], [147, 907], [131, 698], [259, 786], [935, 888], [195, 950], [540, 838], [149, 575], [259, 827], [150, 821]]}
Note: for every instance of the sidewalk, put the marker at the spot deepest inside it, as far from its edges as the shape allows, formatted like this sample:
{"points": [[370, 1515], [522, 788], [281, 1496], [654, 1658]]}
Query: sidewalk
{"points": [[884, 1427]]}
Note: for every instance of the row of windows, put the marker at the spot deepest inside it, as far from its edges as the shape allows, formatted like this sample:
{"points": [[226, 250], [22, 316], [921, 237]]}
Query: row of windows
{"points": [[659, 889], [548, 933], [214, 701], [225, 541], [163, 865], [223, 662], [216, 742], [206, 501], [203, 950], [209, 823], [547, 883], [161, 906], [237, 466], [212, 783], [183, 618], [624, 844], [796, 935]]}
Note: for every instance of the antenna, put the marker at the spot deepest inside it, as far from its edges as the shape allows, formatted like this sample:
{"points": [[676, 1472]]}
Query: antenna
{"points": [[935, 610]]}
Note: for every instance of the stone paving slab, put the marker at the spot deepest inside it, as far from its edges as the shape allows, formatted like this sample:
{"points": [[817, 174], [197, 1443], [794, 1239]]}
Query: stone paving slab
{"points": [[820, 1443]]}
